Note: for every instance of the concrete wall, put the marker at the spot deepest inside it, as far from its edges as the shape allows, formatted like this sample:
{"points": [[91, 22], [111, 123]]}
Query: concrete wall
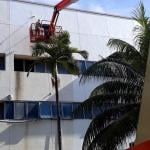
{"points": [[89, 31]]}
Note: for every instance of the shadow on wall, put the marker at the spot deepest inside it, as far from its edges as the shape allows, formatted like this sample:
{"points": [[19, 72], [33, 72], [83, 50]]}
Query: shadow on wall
{"points": [[74, 91], [43, 132], [37, 131]]}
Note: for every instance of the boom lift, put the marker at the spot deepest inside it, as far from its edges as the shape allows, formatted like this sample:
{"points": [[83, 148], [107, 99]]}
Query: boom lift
{"points": [[41, 31]]}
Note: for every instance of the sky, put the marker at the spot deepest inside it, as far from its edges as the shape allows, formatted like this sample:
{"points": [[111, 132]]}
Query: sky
{"points": [[118, 7]]}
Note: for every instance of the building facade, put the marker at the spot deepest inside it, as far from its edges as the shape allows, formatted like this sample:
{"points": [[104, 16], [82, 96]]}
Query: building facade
{"points": [[27, 108]]}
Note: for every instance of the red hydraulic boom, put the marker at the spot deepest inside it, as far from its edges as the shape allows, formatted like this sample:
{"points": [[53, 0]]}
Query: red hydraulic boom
{"points": [[41, 31]]}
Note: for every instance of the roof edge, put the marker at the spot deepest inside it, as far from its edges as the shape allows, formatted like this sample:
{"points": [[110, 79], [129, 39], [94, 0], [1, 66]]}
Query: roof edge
{"points": [[72, 9]]}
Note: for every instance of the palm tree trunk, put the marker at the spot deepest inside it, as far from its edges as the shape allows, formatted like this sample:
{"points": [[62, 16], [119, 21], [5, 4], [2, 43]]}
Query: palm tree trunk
{"points": [[58, 114]]}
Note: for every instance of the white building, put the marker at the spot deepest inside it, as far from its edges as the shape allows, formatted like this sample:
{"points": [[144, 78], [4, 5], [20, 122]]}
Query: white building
{"points": [[89, 31]]}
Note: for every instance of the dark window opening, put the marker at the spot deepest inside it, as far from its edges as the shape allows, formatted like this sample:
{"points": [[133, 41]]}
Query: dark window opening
{"points": [[28, 64], [78, 114], [32, 110], [89, 64], [88, 112], [2, 63], [97, 110], [18, 65], [1, 110], [82, 66], [40, 67], [54, 110], [9, 110], [62, 70], [48, 68]]}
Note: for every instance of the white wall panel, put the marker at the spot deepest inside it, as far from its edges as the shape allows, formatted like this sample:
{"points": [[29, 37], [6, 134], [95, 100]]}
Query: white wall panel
{"points": [[88, 31], [5, 13]]}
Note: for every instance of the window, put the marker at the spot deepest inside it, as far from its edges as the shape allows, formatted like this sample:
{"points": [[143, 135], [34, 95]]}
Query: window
{"points": [[66, 110], [48, 68], [1, 110], [2, 62], [32, 110], [82, 66], [54, 111], [78, 115], [28, 64], [19, 110], [88, 113], [40, 67], [45, 110], [96, 110], [62, 70], [89, 64], [18, 65], [9, 110]]}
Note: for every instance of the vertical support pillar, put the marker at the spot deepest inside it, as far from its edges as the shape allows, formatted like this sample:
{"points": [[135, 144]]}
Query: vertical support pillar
{"points": [[143, 133]]}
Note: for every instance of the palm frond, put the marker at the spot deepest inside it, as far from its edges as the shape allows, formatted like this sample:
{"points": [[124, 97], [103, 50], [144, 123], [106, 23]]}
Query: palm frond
{"points": [[70, 65], [122, 46], [119, 87], [105, 101], [109, 69], [103, 132]]}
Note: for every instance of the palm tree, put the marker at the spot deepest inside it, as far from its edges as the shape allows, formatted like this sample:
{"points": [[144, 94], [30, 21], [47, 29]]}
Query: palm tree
{"points": [[119, 96], [58, 52]]}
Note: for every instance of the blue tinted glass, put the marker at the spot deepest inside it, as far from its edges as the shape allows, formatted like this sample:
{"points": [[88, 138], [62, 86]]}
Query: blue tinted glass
{"points": [[54, 111], [32, 110], [40, 67], [62, 70], [82, 66], [96, 111], [67, 110], [88, 113], [48, 68], [9, 110], [78, 115], [45, 110], [19, 110], [2, 63], [89, 64]]}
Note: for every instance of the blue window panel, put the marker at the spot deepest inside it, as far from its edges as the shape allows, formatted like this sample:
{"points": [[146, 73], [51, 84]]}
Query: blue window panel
{"points": [[82, 66], [9, 110], [45, 110], [40, 67], [19, 110], [48, 68], [2, 63], [96, 111], [67, 110], [32, 110], [88, 113], [79, 115], [62, 70], [1, 110], [89, 64], [54, 111]]}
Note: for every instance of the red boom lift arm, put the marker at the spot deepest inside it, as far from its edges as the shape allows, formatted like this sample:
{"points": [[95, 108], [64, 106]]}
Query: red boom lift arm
{"points": [[45, 31], [61, 5]]}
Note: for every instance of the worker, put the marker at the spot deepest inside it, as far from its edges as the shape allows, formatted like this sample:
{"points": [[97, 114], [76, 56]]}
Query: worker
{"points": [[38, 27]]}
